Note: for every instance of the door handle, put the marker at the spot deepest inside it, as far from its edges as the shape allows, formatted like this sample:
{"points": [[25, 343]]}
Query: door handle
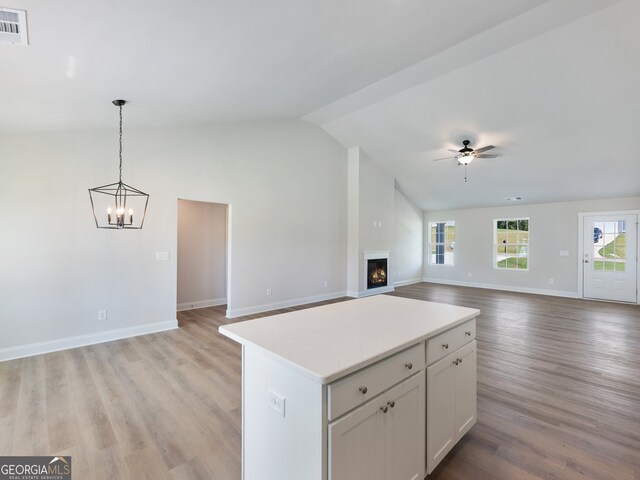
{"points": [[586, 261]]}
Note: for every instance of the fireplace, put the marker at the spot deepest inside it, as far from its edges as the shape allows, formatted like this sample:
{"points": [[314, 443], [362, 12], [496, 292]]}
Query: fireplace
{"points": [[377, 275]]}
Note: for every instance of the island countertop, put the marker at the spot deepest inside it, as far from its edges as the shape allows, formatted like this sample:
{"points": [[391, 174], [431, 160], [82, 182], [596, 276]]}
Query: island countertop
{"points": [[331, 341]]}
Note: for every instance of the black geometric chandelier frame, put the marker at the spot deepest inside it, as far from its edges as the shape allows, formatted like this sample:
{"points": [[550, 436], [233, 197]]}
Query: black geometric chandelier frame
{"points": [[117, 206]]}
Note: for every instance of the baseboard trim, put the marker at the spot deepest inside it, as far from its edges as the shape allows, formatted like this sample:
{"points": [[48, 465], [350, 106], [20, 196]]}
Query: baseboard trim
{"points": [[240, 312], [214, 302], [21, 351], [375, 291], [402, 283], [505, 288]]}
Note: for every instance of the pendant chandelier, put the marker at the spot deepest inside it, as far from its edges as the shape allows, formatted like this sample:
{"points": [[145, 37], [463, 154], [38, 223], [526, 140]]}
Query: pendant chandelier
{"points": [[118, 205]]}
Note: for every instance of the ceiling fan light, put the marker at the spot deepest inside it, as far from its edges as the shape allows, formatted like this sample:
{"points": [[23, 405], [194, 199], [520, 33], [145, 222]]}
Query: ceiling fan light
{"points": [[466, 159]]}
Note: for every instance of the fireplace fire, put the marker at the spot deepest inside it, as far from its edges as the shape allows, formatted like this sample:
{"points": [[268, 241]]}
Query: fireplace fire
{"points": [[376, 273]]}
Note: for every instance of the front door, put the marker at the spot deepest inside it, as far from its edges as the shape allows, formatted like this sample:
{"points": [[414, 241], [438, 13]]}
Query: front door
{"points": [[609, 257]]}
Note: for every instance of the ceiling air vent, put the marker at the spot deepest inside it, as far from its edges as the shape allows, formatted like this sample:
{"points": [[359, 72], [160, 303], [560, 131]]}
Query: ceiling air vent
{"points": [[13, 27]]}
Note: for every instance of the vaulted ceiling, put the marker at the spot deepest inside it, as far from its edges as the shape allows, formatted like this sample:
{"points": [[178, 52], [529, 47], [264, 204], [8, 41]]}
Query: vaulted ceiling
{"points": [[552, 84]]}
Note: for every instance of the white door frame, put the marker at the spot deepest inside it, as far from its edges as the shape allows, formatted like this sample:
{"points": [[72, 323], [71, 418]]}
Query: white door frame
{"points": [[580, 252]]}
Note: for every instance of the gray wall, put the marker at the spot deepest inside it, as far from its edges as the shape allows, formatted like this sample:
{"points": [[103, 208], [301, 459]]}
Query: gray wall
{"points": [[553, 228], [285, 182], [408, 244], [371, 213]]}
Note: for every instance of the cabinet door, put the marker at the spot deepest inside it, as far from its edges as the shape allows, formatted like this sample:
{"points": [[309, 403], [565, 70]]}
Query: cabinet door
{"points": [[441, 435], [465, 390], [355, 445], [404, 430]]}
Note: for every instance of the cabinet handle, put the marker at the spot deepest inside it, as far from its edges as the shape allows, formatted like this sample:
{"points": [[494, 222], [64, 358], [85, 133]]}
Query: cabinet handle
{"points": [[468, 334], [363, 390], [445, 346], [391, 403], [384, 409], [409, 365]]}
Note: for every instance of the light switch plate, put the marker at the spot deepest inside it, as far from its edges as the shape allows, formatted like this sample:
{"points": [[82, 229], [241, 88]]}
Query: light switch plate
{"points": [[162, 256], [276, 402], [564, 253]]}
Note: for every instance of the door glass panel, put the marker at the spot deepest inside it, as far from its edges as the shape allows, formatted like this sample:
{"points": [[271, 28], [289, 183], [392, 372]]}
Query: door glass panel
{"points": [[598, 233], [609, 246]]}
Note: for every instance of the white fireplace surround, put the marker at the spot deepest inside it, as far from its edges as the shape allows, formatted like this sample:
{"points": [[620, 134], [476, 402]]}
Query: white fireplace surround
{"points": [[379, 255]]}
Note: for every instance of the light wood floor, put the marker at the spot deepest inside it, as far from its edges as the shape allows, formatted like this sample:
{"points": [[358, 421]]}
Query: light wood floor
{"points": [[558, 396]]}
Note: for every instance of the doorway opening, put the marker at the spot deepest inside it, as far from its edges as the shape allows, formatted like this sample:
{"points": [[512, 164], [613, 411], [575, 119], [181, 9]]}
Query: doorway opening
{"points": [[202, 258], [608, 268]]}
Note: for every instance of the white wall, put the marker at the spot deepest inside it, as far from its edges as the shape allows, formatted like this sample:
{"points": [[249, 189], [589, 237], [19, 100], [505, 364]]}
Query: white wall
{"points": [[377, 191], [408, 245], [202, 254], [285, 182], [353, 220], [553, 228], [371, 216]]}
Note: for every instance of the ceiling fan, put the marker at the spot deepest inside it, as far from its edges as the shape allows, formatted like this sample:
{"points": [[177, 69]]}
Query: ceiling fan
{"points": [[465, 155]]}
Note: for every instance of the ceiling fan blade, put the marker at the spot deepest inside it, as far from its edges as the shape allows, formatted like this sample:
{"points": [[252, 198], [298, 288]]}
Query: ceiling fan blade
{"points": [[484, 155], [445, 158], [452, 150], [484, 149]]}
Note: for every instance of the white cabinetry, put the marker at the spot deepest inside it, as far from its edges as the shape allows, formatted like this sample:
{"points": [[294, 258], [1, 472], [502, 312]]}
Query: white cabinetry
{"points": [[404, 430], [464, 391], [338, 392], [451, 402], [354, 445], [384, 438], [354, 390]]}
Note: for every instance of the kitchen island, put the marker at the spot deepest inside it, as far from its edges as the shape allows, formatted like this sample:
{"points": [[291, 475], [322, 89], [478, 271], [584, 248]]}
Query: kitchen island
{"points": [[375, 388]]}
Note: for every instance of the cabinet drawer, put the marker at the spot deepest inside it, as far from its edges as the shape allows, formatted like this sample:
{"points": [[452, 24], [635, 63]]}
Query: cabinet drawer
{"points": [[451, 340], [347, 393]]}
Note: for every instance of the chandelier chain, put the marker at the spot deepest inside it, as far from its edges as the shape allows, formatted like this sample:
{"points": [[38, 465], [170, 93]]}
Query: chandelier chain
{"points": [[120, 153]]}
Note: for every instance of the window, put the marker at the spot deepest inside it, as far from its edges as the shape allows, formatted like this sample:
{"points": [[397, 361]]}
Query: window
{"points": [[442, 236], [511, 244]]}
